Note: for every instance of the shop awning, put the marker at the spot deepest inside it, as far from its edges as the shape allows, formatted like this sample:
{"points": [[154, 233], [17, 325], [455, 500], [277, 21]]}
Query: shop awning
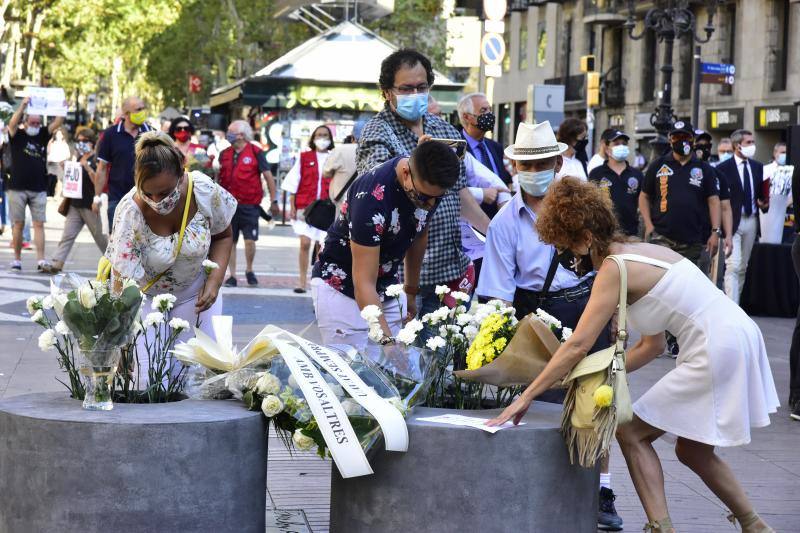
{"points": [[338, 69]]}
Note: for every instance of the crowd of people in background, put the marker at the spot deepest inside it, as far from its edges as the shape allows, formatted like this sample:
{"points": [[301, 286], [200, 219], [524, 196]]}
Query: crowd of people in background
{"points": [[412, 198]]}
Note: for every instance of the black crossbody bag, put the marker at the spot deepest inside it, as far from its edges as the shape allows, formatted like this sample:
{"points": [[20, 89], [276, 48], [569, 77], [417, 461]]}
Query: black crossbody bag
{"points": [[320, 214]]}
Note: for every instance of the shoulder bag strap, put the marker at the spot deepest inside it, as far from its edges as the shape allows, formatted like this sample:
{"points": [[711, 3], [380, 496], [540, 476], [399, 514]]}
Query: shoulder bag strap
{"points": [[346, 186], [185, 220], [622, 332], [548, 280]]}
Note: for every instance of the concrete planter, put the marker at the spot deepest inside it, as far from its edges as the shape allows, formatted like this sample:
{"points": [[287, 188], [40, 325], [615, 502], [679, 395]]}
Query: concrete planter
{"points": [[198, 466], [457, 479]]}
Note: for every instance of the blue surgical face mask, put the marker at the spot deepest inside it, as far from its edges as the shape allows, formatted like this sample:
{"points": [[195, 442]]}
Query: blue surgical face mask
{"points": [[724, 156], [781, 159], [412, 106], [536, 183], [620, 152]]}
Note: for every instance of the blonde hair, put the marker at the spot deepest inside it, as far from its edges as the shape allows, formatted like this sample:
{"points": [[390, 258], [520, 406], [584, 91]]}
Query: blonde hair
{"points": [[156, 152]]}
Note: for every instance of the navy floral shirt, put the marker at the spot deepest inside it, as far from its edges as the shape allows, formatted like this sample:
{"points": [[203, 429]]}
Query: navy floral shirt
{"points": [[377, 212]]}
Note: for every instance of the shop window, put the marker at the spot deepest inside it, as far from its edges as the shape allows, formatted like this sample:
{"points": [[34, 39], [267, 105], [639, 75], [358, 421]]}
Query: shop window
{"points": [[523, 44], [541, 44], [728, 42], [779, 47], [649, 71], [507, 39]]}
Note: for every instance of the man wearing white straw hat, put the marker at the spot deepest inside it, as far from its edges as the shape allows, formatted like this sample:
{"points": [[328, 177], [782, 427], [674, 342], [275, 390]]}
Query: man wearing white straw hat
{"points": [[521, 269]]}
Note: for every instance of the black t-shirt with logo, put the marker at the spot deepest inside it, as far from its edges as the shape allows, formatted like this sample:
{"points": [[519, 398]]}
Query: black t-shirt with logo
{"points": [[624, 192], [29, 160], [678, 197]]}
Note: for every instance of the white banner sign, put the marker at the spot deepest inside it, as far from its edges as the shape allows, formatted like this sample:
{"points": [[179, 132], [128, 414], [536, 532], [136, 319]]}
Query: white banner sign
{"points": [[331, 417], [73, 180], [49, 101], [391, 421]]}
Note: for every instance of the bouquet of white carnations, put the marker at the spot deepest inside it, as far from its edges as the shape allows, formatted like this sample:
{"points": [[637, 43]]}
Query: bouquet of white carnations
{"points": [[329, 399]]}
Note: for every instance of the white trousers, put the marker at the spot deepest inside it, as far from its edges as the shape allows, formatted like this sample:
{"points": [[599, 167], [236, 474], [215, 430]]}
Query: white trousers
{"points": [[185, 309], [339, 318], [736, 263]]}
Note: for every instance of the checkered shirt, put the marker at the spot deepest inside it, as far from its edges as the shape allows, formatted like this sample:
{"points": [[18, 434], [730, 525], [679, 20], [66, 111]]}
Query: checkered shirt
{"points": [[385, 137]]}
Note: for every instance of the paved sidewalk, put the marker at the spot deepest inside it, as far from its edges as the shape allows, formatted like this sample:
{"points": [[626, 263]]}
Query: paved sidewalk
{"points": [[769, 467]]}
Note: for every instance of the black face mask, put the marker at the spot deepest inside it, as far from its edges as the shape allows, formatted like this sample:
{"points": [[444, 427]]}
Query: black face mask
{"points": [[682, 147], [580, 145], [705, 151], [485, 121]]}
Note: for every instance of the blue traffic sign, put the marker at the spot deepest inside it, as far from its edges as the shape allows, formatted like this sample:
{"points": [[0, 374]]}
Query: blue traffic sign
{"points": [[717, 68], [493, 49]]}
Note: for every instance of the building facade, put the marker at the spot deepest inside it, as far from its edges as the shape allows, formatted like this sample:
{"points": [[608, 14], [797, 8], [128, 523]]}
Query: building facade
{"points": [[545, 41]]}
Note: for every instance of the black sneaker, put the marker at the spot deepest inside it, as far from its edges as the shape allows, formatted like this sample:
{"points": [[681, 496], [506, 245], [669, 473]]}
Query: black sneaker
{"points": [[251, 278], [607, 518], [794, 410], [230, 282]]}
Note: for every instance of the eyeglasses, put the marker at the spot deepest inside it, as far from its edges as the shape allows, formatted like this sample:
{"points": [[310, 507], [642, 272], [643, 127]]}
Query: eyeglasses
{"points": [[424, 198], [183, 128], [410, 89]]}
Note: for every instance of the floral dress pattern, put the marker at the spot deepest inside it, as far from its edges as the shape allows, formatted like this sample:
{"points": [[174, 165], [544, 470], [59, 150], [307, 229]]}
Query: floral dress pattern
{"points": [[136, 252], [377, 212]]}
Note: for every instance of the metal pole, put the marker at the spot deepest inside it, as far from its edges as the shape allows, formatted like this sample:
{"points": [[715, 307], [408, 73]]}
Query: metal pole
{"points": [[696, 88], [662, 118]]}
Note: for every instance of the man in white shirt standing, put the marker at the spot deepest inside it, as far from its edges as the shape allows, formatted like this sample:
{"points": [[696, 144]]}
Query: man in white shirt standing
{"points": [[778, 180], [744, 176], [600, 156]]}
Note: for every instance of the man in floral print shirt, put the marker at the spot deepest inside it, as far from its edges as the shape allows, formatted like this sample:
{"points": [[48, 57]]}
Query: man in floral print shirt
{"points": [[405, 80], [382, 224]]}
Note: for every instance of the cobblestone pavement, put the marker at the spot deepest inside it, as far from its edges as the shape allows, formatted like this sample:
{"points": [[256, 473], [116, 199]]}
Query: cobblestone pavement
{"points": [[769, 467]]}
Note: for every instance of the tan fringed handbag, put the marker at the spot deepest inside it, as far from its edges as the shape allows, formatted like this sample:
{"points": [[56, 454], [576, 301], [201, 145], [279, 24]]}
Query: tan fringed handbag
{"points": [[588, 428]]}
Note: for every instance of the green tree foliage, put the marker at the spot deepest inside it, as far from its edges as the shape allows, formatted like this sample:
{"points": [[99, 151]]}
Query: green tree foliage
{"points": [[416, 24], [220, 41]]}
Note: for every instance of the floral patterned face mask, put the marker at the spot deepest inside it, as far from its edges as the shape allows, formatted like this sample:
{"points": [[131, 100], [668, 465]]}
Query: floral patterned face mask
{"points": [[166, 204]]}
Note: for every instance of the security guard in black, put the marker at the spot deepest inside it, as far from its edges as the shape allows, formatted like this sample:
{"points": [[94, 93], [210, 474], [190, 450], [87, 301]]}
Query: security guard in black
{"points": [[678, 197], [619, 180]]}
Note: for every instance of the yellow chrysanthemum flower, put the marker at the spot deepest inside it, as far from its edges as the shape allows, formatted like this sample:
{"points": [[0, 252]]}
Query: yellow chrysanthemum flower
{"points": [[603, 396]]}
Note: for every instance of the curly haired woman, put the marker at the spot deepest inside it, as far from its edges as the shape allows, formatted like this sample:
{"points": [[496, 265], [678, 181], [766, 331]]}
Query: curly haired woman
{"points": [[722, 384]]}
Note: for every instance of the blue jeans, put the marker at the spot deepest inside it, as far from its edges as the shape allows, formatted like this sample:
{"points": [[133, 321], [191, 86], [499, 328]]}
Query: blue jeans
{"points": [[427, 302], [112, 208]]}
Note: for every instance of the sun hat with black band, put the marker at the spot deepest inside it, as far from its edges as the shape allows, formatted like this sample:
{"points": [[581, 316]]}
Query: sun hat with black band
{"points": [[682, 126], [534, 141], [611, 135]]}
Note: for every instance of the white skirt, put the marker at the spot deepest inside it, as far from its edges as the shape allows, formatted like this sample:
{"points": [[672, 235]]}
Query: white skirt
{"points": [[301, 229]]}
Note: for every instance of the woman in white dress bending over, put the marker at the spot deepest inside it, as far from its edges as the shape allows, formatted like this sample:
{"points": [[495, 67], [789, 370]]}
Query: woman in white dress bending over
{"points": [[722, 384]]}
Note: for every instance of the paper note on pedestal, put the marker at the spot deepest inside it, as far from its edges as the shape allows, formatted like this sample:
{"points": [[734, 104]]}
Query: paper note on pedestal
{"points": [[468, 421]]}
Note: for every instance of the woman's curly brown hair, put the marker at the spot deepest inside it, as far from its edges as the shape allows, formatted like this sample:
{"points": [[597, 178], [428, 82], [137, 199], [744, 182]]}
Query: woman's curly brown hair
{"points": [[570, 208]]}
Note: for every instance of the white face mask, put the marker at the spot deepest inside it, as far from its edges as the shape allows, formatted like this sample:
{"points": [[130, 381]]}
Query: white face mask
{"points": [[166, 204], [322, 144], [749, 151], [32, 131]]}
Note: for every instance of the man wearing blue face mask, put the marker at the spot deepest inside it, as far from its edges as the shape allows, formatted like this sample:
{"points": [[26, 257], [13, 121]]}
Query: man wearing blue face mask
{"points": [[620, 180], [519, 268], [405, 81]]}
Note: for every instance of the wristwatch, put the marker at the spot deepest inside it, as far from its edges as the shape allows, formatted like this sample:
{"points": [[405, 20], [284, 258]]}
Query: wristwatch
{"points": [[718, 231], [97, 200], [386, 340]]}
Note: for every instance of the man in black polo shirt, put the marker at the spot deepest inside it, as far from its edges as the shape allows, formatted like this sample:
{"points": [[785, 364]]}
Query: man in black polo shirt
{"points": [[679, 197], [116, 150], [702, 148], [620, 180]]}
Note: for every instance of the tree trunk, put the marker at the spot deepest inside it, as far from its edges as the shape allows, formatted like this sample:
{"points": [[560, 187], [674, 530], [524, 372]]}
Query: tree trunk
{"points": [[30, 50]]}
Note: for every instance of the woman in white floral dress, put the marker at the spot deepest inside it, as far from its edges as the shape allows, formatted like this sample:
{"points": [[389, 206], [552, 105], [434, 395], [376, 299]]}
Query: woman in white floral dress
{"points": [[147, 228]]}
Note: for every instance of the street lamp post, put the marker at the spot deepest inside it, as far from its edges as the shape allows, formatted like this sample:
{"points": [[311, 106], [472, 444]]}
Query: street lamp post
{"points": [[669, 19]]}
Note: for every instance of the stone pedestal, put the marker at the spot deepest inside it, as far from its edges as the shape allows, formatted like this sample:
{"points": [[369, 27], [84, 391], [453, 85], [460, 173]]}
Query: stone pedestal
{"points": [[198, 466], [459, 479]]}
